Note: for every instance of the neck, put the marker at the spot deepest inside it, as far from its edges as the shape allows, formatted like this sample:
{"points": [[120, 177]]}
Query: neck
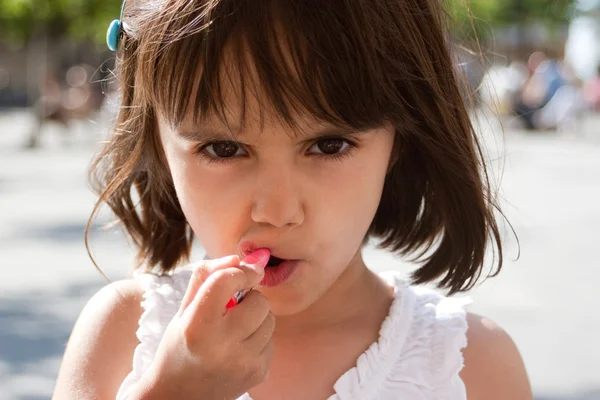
{"points": [[355, 295]]}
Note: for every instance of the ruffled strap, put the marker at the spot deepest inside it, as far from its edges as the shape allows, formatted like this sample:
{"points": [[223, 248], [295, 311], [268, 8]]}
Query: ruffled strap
{"points": [[450, 338], [374, 366], [432, 358], [418, 354], [162, 299]]}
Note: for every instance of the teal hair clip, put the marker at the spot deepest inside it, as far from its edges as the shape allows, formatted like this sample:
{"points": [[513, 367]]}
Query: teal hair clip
{"points": [[114, 31]]}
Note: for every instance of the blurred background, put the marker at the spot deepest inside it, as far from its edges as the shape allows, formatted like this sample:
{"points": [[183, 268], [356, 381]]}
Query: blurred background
{"points": [[534, 76]]}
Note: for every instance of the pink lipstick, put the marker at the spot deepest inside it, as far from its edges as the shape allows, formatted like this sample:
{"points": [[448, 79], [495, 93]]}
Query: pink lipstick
{"points": [[258, 257]]}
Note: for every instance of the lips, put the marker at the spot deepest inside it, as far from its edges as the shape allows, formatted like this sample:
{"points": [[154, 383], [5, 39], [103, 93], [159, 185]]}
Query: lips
{"points": [[276, 275], [280, 268], [247, 247]]}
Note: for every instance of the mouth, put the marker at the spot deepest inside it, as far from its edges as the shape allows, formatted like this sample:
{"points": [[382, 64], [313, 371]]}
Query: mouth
{"points": [[274, 261], [279, 271]]}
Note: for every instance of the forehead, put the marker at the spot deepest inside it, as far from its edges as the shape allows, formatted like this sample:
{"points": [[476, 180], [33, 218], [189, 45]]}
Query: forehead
{"points": [[245, 108], [214, 127]]}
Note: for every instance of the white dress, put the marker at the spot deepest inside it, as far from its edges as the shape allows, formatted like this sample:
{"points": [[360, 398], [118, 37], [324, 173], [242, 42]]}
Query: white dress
{"points": [[417, 356]]}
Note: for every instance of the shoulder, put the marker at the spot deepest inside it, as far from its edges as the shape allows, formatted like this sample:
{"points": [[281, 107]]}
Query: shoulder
{"points": [[493, 367], [119, 294], [113, 302], [432, 333], [468, 346], [102, 343]]}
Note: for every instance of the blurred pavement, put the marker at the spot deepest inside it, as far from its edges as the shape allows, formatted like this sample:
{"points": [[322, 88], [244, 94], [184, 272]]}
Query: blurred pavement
{"points": [[547, 300]]}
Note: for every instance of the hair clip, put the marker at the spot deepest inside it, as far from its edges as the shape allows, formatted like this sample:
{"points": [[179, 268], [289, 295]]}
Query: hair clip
{"points": [[114, 31]]}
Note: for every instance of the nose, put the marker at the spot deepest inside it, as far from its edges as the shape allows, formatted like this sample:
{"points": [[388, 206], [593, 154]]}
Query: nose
{"points": [[277, 198]]}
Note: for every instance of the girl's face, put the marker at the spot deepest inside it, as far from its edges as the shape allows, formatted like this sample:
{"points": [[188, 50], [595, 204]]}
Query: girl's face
{"points": [[309, 197]]}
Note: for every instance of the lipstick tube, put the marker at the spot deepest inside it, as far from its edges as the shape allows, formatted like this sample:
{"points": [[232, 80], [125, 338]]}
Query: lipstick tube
{"points": [[258, 257]]}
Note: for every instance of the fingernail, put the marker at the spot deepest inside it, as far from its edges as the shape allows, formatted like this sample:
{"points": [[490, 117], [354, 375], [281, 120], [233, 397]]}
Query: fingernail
{"points": [[258, 257]]}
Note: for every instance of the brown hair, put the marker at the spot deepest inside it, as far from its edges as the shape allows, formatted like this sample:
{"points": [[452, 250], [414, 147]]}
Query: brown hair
{"points": [[358, 64]]}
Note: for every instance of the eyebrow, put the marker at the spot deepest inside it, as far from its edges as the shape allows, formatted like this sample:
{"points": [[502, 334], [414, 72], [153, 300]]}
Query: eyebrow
{"points": [[207, 134], [203, 135]]}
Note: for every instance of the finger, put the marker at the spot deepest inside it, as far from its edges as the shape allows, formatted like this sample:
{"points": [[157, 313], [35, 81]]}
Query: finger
{"points": [[262, 337], [249, 314], [220, 286], [200, 272], [268, 350]]}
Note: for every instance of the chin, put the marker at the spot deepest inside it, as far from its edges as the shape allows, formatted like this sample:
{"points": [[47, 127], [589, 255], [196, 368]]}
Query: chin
{"points": [[284, 303]]}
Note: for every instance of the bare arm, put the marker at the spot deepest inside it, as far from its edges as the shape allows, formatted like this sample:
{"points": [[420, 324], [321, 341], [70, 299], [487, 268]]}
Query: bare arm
{"points": [[494, 369], [99, 353]]}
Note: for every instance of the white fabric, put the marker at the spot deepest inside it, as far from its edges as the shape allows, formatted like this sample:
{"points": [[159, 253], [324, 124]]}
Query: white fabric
{"points": [[417, 356]]}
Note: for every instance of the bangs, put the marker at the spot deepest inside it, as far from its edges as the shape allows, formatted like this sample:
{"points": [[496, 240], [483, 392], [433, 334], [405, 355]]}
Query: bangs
{"points": [[317, 60], [356, 65]]}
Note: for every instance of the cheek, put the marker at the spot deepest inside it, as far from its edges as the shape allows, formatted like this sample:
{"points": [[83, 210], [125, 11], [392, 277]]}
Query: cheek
{"points": [[347, 202], [208, 205]]}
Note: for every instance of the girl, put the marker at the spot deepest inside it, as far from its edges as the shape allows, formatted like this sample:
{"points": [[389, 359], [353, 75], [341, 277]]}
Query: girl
{"points": [[286, 134]]}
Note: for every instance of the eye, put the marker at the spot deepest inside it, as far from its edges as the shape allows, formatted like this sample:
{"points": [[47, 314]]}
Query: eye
{"points": [[221, 150], [331, 146]]}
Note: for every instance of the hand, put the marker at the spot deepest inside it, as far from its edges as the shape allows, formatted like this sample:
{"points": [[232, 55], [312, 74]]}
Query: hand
{"points": [[209, 352]]}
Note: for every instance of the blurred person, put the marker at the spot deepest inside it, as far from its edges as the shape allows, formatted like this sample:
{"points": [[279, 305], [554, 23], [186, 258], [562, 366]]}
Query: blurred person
{"points": [[591, 92], [48, 108], [582, 47], [63, 101], [545, 79], [501, 85], [563, 110], [284, 135]]}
